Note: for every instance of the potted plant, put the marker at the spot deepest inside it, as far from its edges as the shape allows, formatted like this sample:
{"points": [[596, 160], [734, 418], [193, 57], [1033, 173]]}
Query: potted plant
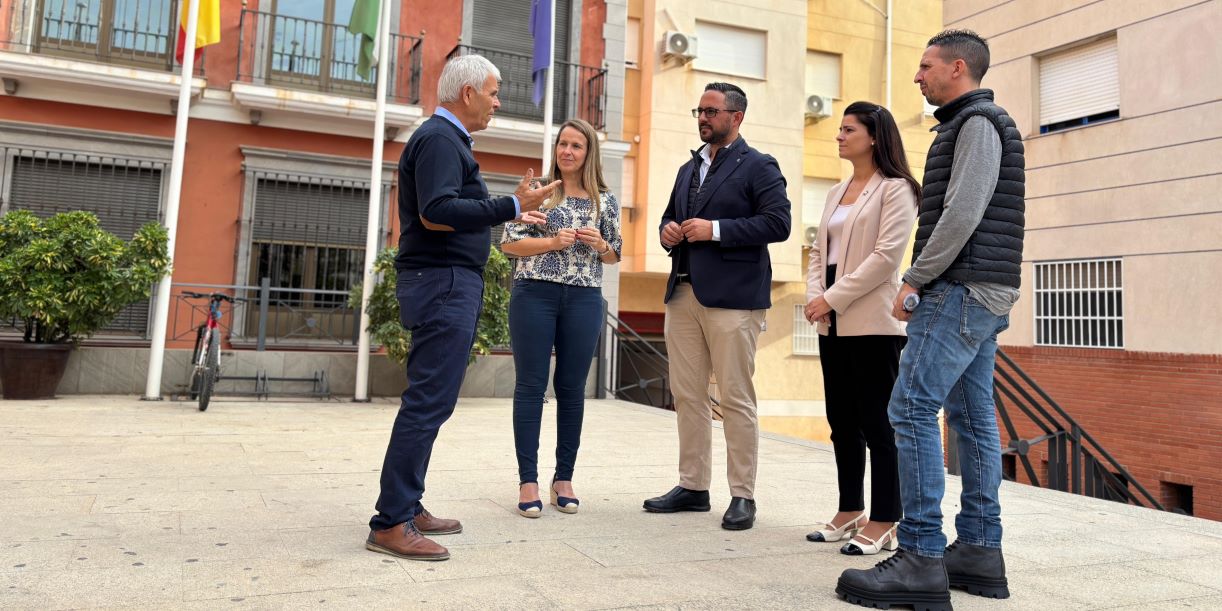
{"points": [[384, 325], [63, 279]]}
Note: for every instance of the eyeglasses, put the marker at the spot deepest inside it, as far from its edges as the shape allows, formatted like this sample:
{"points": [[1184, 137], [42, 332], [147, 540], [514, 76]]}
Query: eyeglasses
{"points": [[710, 112]]}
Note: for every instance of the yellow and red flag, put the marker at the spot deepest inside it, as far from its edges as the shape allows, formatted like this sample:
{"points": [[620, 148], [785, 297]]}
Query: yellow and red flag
{"points": [[208, 32]]}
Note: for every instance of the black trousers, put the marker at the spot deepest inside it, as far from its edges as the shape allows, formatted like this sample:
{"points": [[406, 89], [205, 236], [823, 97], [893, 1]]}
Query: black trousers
{"points": [[858, 373]]}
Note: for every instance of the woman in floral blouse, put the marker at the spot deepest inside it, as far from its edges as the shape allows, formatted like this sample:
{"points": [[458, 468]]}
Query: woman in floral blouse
{"points": [[557, 302]]}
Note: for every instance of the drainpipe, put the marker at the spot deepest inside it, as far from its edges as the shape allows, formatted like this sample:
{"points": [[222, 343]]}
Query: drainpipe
{"points": [[890, 12], [887, 19]]}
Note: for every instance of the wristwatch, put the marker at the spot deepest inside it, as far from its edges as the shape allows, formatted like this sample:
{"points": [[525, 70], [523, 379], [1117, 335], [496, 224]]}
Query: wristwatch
{"points": [[911, 300]]}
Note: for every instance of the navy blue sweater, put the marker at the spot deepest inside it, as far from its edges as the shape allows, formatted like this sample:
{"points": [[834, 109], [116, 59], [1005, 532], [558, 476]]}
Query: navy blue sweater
{"points": [[439, 180]]}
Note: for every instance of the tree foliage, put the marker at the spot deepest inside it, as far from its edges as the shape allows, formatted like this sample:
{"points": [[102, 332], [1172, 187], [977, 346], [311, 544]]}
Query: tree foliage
{"points": [[384, 325], [65, 277]]}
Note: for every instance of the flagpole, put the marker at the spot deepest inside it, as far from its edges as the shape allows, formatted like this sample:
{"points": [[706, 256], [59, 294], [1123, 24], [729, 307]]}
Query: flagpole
{"points": [[152, 388], [372, 243], [547, 94]]}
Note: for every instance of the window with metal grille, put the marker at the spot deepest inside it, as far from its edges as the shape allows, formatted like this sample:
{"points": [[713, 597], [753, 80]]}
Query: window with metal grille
{"points": [[805, 335], [124, 194], [308, 234], [1079, 304]]}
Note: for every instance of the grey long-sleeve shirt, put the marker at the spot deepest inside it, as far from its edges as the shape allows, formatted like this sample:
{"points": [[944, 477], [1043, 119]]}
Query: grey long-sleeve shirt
{"points": [[973, 178]]}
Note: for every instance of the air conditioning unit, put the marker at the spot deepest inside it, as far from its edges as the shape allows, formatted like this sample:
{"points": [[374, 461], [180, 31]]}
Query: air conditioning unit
{"points": [[679, 46], [810, 234], [818, 107]]}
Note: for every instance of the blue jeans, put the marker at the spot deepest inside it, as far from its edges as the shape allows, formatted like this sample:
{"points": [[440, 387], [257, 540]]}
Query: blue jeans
{"points": [[440, 306], [952, 340], [542, 315]]}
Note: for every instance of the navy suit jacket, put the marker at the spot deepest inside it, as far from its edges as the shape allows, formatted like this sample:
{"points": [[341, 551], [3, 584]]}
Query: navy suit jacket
{"points": [[746, 195]]}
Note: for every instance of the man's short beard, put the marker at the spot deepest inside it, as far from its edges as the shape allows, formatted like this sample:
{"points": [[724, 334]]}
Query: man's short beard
{"points": [[715, 137]]}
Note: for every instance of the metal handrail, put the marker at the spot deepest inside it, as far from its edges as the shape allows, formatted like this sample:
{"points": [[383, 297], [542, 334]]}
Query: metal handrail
{"points": [[312, 317], [620, 332], [1073, 454]]}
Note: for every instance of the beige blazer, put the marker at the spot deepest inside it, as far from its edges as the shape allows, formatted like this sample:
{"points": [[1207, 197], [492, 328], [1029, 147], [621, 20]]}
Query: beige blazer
{"points": [[872, 247]]}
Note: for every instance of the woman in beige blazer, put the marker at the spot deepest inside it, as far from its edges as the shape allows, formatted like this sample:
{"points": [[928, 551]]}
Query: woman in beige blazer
{"points": [[851, 283]]}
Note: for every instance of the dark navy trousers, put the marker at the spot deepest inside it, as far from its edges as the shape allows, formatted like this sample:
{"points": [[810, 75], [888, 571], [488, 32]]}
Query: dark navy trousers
{"points": [[440, 306], [542, 315]]}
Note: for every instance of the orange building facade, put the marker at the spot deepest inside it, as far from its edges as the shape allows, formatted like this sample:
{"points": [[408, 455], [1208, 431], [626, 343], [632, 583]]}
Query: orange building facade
{"points": [[276, 180]]}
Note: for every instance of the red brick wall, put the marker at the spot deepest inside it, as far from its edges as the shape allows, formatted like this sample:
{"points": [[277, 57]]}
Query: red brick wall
{"points": [[1159, 415]]}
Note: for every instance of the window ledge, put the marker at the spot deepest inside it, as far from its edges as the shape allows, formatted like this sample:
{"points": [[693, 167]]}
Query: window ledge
{"points": [[307, 102], [123, 78]]}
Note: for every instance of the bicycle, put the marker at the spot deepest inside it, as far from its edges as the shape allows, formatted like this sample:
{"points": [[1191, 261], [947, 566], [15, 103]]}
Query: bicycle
{"points": [[206, 358]]}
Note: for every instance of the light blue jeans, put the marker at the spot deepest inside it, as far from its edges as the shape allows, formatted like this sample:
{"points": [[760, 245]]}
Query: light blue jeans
{"points": [[948, 361]]}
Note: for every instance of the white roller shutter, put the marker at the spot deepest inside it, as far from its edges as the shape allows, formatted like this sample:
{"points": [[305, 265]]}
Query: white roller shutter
{"points": [[1079, 82], [730, 50], [814, 198], [823, 74]]}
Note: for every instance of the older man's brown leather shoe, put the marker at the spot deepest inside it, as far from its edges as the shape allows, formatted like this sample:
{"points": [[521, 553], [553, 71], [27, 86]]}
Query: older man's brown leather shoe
{"points": [[404, 541], [430, 524]]}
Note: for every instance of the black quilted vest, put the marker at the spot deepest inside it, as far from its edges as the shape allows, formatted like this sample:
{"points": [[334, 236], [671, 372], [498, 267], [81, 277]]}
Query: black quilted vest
{"points": [[994, 253]]}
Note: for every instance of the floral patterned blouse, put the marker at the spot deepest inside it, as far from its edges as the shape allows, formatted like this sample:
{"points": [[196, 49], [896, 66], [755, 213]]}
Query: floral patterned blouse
{"points": [[579, 264]]}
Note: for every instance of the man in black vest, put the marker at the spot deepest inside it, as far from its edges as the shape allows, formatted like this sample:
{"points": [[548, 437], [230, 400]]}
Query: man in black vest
{"points": [[727, 205], [966, 268]]}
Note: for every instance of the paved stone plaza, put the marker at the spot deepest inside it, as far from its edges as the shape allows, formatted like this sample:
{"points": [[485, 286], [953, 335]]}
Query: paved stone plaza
{"points": [[117, 503]]}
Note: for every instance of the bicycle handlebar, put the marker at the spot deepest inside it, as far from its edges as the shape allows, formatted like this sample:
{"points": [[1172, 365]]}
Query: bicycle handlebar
{"points": [[220, 296]]}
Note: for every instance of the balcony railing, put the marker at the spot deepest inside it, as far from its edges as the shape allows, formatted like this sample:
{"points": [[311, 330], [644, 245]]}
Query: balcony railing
{"points": [[268, 317], [309, 55], [138, 33], [578, 91]]}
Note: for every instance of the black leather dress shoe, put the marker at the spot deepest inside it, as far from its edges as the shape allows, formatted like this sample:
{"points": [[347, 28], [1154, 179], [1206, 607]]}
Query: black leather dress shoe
{"points": [[679, 499], [740, 515]]}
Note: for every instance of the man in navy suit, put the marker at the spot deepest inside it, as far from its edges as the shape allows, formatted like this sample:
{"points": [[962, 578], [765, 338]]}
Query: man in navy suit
{"points": [[727, 205], [446, 216]]}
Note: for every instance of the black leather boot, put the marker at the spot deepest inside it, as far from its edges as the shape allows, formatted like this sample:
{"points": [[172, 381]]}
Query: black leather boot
{"points": [[903, 579], [679, 499], [740, 515], [978, 570]]}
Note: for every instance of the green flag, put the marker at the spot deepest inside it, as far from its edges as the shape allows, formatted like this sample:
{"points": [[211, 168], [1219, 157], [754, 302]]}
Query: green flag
{"points": [[364, 23]]}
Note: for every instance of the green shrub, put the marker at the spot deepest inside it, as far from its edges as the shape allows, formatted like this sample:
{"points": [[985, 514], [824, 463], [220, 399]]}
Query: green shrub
{"points": [[65, 277], [384, 326]]}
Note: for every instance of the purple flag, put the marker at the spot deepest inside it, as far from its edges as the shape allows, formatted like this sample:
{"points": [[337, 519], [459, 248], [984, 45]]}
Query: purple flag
{"points": [[541, 30]]}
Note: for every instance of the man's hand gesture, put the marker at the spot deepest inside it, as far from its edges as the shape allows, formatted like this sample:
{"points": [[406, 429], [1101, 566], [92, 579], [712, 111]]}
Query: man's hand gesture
{"points": [[672, 234], [530, 197], [531, 217], [698, 230]]}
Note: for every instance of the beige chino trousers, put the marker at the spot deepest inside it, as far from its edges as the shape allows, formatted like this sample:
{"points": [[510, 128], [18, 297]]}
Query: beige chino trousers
{"points": [[701, 340]]}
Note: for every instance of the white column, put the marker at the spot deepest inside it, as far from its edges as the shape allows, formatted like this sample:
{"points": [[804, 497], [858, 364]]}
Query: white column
{"points": [[372, 244], [152, 388], [547, 97]]}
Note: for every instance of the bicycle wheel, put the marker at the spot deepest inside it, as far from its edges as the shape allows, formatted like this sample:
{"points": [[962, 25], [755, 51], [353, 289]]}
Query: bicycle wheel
{"points": [[211, 371], [193, 389], [205, 388]]}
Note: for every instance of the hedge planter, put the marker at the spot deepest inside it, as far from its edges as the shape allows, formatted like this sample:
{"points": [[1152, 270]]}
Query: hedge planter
{"points": [[32, 371]]}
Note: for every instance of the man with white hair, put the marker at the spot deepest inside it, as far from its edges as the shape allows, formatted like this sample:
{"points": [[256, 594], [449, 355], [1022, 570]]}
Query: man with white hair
{"points": [[446, 215]]}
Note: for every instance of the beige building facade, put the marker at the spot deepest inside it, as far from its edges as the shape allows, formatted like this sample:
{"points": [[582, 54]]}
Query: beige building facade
{"points": [[773, 49], [1118, 103]]}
